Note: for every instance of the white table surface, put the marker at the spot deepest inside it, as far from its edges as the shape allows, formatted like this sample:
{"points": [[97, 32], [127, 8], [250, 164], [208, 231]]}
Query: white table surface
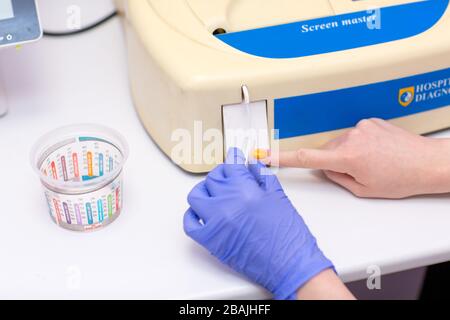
{"points": [[145, 253]]}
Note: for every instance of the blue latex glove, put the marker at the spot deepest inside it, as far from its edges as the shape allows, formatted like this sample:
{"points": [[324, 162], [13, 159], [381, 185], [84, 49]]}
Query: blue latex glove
{"points": [[244, 218]]}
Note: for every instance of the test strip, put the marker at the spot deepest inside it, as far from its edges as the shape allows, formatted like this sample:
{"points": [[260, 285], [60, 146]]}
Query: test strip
{"points": [[58, 212], [78, 214], [100, 164], [246, 127], [54, 174], [66, 213], [117, 199], [76, 169], [100, 211], [90, 164], [111, 164], [64, 168], [110, 206], [89, 213]]}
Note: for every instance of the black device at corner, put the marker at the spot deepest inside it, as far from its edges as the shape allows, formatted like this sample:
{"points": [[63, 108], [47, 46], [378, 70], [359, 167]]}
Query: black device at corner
{"points": [[19, 22]]}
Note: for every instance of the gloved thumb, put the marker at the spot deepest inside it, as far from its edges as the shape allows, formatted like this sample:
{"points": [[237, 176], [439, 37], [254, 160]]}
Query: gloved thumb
{"points": [[265, 177], [192, 225], [235, 163]]}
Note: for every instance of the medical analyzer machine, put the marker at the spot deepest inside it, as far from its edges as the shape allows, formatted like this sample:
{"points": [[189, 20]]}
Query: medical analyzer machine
{"points": [[307, 69], [19, 23]]}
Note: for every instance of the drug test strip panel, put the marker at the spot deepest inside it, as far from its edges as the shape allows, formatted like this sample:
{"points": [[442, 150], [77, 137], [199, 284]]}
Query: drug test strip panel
{"points": [[246, 127]]}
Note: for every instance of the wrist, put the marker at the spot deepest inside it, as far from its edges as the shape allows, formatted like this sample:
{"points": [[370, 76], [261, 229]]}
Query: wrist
{"points": [[325, 286], [306, 265], [439, 167]]}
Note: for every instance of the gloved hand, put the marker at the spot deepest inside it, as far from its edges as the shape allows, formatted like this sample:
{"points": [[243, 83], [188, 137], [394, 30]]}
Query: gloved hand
{"points": [[243, 217]]}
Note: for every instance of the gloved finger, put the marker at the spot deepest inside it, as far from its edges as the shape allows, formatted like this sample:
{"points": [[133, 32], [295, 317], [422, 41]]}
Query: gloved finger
{"points": [[198, 199], [192, 224], [215, 180], [218, 173], [215, 186], [235, 163], [263, 175]]}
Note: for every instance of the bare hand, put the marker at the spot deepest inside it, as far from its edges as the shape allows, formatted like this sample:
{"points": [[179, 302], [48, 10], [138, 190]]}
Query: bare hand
{"points": [[379, 160]]}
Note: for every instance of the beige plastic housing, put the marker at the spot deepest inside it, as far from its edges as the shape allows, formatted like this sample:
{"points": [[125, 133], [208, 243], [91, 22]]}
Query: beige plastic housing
{"points": [[181, 74]]}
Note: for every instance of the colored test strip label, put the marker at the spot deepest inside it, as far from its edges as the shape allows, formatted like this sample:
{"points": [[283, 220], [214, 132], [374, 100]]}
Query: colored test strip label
{"points": [[64, 168], [111, 164], [57, 211], [100, 164], [89, 213], [110, 206], [117, 199], [90, 164], [101, 216], [76, 169], [66, 213], [78, 214], [54, 174]]}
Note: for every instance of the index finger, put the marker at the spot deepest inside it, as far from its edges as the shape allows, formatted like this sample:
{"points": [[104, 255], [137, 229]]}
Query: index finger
{"points": [[310, 159], [199, 200]]}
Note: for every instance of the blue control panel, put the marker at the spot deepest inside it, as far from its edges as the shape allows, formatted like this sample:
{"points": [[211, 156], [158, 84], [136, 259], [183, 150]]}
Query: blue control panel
{"points": [[19, 22]]}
